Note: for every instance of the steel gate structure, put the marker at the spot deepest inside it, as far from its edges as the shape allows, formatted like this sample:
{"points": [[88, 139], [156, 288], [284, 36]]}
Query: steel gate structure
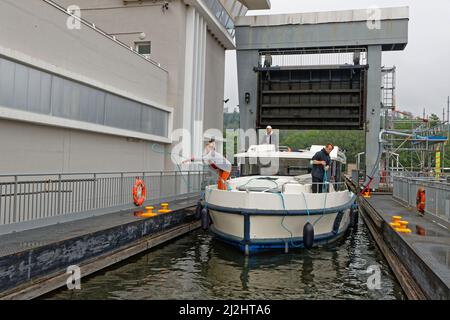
{"points": [[319, 97], [284, 82]]}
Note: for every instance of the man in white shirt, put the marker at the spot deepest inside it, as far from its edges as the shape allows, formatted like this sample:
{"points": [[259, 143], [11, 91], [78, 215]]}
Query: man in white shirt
{"points": [[269, 137]]}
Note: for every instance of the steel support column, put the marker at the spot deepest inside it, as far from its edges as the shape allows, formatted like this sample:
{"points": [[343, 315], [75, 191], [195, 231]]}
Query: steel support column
{"points": [[248, 85], [373, 110]]}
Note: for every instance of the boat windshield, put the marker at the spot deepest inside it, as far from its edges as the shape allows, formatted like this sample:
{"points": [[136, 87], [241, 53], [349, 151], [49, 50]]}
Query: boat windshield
{"points": [[280, 167]]}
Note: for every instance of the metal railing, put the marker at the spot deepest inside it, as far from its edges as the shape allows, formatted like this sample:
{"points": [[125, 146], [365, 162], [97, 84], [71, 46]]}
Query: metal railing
{"points": [[221, 14], [437, 193], [311, 57], [31, 197]]}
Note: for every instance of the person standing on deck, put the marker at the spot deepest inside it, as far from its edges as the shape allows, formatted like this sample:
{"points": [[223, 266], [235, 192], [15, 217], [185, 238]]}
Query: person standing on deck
{"points": [[269, 137], [321, 163], [217, 162]]}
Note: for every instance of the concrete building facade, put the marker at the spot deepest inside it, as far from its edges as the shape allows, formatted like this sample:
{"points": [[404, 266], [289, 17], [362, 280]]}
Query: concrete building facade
{"points": [[97, 94]]}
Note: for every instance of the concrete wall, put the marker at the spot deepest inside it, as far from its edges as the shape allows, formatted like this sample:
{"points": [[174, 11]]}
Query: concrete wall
{"points": [[42, 39], [214, 84], [167, 33], [37, 33], [163, 29], [28, 148]]}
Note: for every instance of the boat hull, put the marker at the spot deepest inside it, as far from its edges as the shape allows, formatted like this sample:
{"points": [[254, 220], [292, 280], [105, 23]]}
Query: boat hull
{"points": [[253, 232]]}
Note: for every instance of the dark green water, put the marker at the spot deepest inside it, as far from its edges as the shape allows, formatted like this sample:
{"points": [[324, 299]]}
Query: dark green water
{"points": [[199, 267]]}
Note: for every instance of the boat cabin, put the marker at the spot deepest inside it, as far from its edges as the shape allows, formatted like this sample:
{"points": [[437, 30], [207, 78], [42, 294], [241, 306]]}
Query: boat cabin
{"points": [[267, 159]]}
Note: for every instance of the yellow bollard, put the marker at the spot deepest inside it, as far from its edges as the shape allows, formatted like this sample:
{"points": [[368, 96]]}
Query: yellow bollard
{"points": [[403, 230], [149, 213], [164, 208], [395, 224], [403, 224]]}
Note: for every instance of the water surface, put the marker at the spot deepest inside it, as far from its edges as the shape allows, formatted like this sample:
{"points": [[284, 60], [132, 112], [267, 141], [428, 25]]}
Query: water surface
{"points": [[196, 266]]}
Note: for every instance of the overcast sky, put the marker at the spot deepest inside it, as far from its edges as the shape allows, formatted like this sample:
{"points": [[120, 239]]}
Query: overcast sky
{"points": [[423, 69]]}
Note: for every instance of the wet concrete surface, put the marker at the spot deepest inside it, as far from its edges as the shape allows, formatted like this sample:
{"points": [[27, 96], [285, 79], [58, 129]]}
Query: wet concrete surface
{"points": [[30, 239], [30, 256], [429, 239]]}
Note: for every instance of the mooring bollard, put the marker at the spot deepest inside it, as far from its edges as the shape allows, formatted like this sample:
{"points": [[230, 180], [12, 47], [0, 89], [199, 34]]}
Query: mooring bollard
{"points": [[164, 208], [149, 213]]}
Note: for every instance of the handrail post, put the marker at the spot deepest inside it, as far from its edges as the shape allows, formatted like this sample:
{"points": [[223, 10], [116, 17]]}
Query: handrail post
{"points": [[121, 189], [160, 185], [94, 196], [58, 209], [176, 184], [189, 182], [15, 200]]}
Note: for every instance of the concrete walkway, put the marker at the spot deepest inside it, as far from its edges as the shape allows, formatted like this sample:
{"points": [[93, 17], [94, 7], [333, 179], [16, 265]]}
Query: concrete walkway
{"points": [[426, 256], [28, 257]]}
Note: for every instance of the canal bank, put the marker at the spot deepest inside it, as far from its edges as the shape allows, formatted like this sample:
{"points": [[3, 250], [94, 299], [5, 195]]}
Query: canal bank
{"points": [[419, 259], [34, 262]]}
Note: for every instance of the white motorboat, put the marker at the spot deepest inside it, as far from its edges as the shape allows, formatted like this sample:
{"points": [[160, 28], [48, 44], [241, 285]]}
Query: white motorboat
{"points": [[270, 204]]}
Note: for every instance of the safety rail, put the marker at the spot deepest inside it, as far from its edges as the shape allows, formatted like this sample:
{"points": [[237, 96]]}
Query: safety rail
{"points": [[222, 15], [312, 57], [33, 197], [386, 178], [437, 193]]}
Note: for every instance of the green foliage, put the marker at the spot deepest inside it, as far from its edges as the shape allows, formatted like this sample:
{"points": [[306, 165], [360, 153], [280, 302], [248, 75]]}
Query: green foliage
{"points": [[352, 141], [231, 121]]}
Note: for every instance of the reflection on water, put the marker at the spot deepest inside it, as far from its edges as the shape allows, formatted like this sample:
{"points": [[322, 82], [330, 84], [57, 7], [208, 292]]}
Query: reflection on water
{"points": [[198, 267]]}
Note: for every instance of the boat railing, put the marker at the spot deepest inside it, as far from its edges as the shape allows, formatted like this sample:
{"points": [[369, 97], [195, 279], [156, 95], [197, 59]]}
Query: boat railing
{"points": [[332, 186], [327, 187], [307, 187]]}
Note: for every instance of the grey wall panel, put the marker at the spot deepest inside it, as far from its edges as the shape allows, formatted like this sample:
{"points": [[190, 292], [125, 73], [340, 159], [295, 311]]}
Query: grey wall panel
{"points": [[73, 110], [30, 27], [6, 82], [20, 87], [154, 121], [46, 86], [34, 91], [85, 110], [99, 106], [122, 113], [26, 88], [148, 122], [57, 96]]}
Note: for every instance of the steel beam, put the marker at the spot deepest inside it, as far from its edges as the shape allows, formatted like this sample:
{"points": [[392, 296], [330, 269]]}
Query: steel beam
{"points": [[373, 111]]}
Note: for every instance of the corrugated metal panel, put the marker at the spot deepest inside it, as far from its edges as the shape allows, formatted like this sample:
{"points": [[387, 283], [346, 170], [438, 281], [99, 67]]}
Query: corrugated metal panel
{"points": [[26, 88]]}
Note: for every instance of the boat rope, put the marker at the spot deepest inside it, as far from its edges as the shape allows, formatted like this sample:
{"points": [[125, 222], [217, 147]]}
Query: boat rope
{"points": [[154, 146]]}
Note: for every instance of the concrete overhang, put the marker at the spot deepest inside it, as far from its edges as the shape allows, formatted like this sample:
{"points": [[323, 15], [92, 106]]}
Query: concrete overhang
{"points": [[214, 26], [349, 28], [256, 4]]}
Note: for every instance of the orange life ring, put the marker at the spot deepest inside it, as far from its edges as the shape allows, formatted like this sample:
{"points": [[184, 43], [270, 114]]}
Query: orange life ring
{"points": [[139, 192]]}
